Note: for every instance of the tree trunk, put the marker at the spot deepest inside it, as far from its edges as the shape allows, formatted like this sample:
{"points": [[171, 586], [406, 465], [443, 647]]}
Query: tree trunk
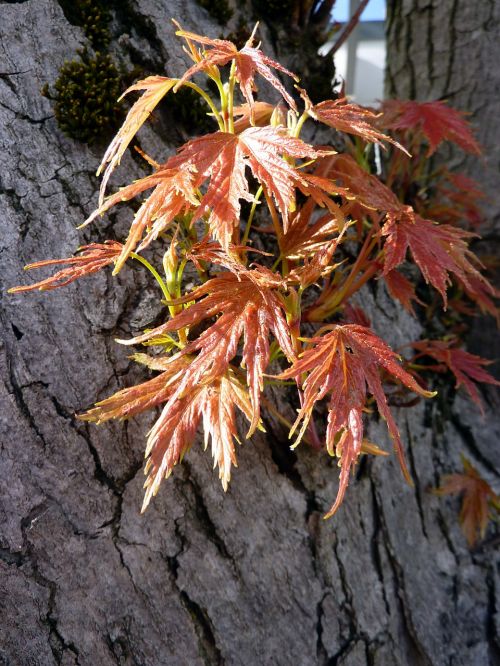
{"points": [[253, 576], [448, 50]]}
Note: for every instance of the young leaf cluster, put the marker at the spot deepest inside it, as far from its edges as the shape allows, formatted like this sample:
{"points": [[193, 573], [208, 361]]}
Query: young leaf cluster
{"points": [[282, 314]]}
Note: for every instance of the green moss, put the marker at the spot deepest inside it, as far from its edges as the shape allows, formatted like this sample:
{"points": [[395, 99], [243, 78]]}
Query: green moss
{"points": [[85, 97], [91, 15], [219, 9]]}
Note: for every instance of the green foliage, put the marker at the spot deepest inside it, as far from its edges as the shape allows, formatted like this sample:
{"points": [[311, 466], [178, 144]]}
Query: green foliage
{"points": [[86, 94]]}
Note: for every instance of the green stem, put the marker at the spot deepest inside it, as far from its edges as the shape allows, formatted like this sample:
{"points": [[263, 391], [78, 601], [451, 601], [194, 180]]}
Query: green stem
{"points": [[154, 273], [248, 226], [277, 229], [180, 272], [209, 101], [222, 95], [168, 297], [230, 97], [276, 263], [298, 127]]}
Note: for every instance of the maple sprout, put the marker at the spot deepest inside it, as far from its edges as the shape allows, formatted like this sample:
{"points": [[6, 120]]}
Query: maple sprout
{"points": [[274, 277]]}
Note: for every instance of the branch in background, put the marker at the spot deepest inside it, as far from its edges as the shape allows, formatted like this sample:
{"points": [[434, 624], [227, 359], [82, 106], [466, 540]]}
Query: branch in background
{"points": [[321, 11], [353, 22]]}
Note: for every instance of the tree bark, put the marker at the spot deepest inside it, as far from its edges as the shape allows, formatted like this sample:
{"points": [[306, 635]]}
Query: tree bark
{"points": [[253, 576], [448, 50]]}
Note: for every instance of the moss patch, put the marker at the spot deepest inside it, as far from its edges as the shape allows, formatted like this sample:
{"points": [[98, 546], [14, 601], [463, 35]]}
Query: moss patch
{"points": [[85, 97], [91, 15]]}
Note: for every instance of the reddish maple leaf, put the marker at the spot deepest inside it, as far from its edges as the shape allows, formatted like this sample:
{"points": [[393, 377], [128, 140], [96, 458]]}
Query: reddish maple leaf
{"points": [[304, 239], [155, 87], [321, 190], [258, 115], [436, 120], [478, 499], [173, 195], [90, 259], [467, 368], [481, 292], [249, 307], [366, 189], [345, 363], [212, 251], [438, 250], [137, 399], [223, 157], [312, 244], [249, 61], [456, 201], [173, 433], [352, 119], [402, 290]]}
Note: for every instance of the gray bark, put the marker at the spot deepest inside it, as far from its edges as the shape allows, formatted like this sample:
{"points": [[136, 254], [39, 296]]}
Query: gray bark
{"points": [[253, 576], [449, 50]]}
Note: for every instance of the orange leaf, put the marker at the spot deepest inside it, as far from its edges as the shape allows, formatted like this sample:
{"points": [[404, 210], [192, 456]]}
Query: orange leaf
{"points": [[173, 195], [352, 119], [438, 250], [155, 87], [313, 245], [365, 188], [223, 157], [174, 431], [467, 368], [477, 496], [137, 399], [249, 61], [344, 363], [172, 435], [258, 115], [437, 121], [90, 259], [249, 308], [303, 239]]}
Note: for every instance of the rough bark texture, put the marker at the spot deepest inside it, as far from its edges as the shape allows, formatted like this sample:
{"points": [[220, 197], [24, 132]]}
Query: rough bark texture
{"points": [[251, 577], [449, 50]]}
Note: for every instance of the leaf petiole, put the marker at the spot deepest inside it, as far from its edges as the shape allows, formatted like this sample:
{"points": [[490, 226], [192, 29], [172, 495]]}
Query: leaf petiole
{"points": [[248, 226], [154, 273], [209, 101]]}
